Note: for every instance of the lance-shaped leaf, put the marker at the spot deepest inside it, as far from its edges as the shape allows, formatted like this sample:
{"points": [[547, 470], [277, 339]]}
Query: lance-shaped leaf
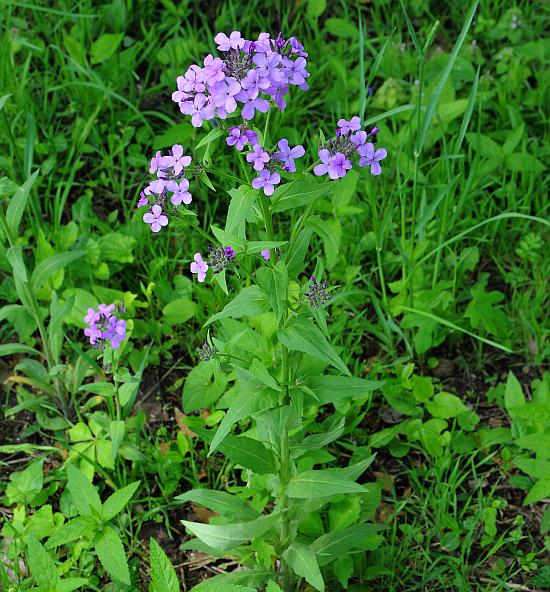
{"points": [[163, 574], [110, 550], [118, 501], [330, 388], [17, 204], [274, 282], [249, 302], [229, 536], [45, 269], [239, 207], [359, 537], [221, 502], [302, 560], [302, 335], [323, 483]]}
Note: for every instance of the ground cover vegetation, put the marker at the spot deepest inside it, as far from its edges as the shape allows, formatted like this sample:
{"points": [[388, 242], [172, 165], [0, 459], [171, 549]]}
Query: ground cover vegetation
{"points": [[274, 296]]}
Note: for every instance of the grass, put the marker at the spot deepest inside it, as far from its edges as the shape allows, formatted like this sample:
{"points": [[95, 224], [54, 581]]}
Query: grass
{"points": [[442, 259]]}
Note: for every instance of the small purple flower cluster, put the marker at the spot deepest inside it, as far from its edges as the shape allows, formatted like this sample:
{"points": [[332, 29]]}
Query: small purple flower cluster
{"points": [[104, 326], [350, 139], [246, 71], [220, 259], [170, 170]]}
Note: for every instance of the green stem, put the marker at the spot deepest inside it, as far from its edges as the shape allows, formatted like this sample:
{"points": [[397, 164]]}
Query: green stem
{"points": [[266, 126], [283, 502]]}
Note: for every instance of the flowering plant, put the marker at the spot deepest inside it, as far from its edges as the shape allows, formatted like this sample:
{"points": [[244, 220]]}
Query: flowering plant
{"points": [[277, 365]]}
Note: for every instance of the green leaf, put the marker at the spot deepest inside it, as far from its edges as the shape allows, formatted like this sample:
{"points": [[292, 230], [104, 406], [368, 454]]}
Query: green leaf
{"points": [[3, 100], [513, 393], [228, 536], [438, 90], [302, 560], [329, 388], [212, 135], [17, 204], [539, 491], [251, 399], [69, 584], [318, 441], [534, 467], [83, 493], [249, 302], [302, 335], [221, 502], [483, 312], [331, 233], [118, 501], [179, 311], [45, 269], [203, 386], [341, 27], [15, 257], [104, 47], [445, 405], [240, 205], [163, 574], [316, 484], [315, 9], [296, 256], [248, 453], [41, 565], [110, 550], [71, 531], [297, 194], [274, 282], [359, 537], [8, 349]]}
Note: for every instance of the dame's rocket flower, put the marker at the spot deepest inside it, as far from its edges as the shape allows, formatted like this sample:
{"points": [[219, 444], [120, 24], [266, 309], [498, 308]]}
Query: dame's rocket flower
{"points": [[155, 218], [266, 179], [199, 266]]}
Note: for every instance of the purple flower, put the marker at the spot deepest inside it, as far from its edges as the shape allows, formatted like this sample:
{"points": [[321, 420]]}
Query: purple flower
{"points": [[223, 96], [295, 71], [372, 158], [297, 47], [180, 192], [251, 103], [278, 92], [322, 169], [287, 154], [155, 186], [259, 157], [236, 138], [267, 180], [176, 160], [192, 80], [199, 267], [353, 125], [213, 70], [268, 66], [336, 166], [155, 218], [225, 43], [252, 137], [229, 252], [104, 327], [254, 83], [200, 109], [359, 139], [339, 165], [143, 200], [265, 254], [155, 162]]}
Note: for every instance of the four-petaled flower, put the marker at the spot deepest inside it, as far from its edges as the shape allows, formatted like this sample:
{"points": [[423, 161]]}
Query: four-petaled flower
{"points": [[287, 154], [156, 161], [155, 218], [353, 125], [259, 157], [180, 193], [266, 254], [371, 157], [251, 104], [267, 180], [199, 109], [199, 267], [336, 166], [225, 43], [177, 160]]}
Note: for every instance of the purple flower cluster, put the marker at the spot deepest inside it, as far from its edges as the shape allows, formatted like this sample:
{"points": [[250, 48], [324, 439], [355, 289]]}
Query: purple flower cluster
{"points": [[220, 259], [265, 163], [246, 73], [336, 155], [170, 171], [104, 326]]}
